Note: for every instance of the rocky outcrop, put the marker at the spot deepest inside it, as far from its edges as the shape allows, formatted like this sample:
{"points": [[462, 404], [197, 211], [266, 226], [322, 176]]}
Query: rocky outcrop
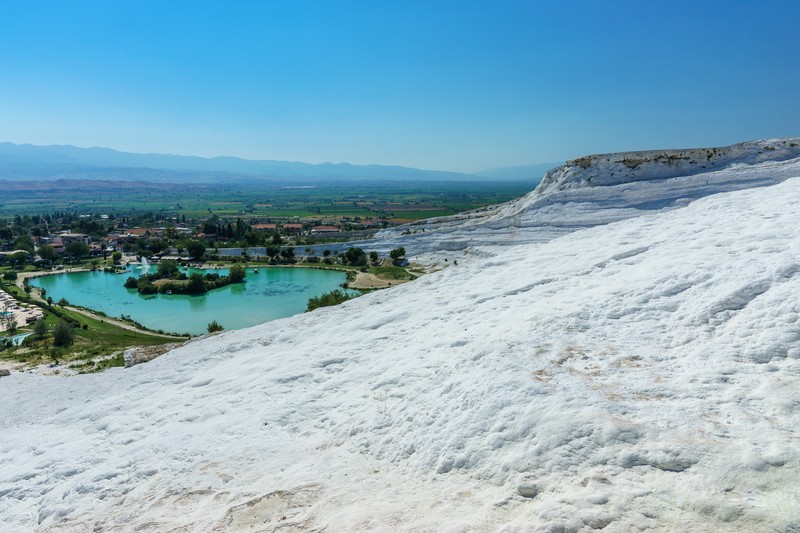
{"points": [[595, 190]]}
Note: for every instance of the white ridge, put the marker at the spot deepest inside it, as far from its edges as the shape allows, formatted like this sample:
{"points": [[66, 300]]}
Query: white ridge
{"points": [[596, 190]]}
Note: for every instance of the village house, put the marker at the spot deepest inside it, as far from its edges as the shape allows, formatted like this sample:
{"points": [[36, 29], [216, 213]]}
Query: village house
{"points": [[265, 227], [292, 228], [326, 229], [67, 237]]}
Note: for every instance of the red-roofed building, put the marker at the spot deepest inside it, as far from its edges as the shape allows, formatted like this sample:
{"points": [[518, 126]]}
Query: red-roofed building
{"points": [[292, 228]]}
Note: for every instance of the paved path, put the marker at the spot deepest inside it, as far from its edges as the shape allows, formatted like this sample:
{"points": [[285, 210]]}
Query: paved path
{"points": [[365, 280]]}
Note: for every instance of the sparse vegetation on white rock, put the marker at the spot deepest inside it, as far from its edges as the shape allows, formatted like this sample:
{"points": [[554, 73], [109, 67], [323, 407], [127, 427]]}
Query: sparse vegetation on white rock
{"points": [[642, 375]]}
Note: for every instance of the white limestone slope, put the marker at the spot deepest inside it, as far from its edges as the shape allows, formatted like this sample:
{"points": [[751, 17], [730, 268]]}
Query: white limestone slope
{"points": [[595, 190], [641, 375]]}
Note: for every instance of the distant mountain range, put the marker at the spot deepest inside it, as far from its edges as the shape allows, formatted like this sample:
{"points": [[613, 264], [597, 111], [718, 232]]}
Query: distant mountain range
{"points": [[36, 163]]}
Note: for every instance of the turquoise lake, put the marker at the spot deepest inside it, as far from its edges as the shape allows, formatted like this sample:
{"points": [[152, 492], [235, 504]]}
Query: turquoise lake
{"points": [[268, 294]]}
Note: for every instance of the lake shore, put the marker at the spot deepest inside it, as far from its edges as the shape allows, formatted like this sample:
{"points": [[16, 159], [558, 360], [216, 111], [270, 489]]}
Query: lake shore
{"points": [[36, 295]]}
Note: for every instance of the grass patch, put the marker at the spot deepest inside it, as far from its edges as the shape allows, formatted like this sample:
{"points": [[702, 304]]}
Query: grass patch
{"points": [[98, 344], [391, 272]]}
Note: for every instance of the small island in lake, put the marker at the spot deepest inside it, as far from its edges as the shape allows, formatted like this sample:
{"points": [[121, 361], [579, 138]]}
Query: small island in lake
{"points": [[170, 280]]}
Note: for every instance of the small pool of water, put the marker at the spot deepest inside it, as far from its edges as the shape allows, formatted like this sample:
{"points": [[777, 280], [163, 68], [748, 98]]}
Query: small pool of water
{"points": [[268, 294], [16, 340]]}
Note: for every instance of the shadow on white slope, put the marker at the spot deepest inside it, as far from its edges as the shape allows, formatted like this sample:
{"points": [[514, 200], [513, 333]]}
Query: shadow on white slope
{"points": [[641, 375]]}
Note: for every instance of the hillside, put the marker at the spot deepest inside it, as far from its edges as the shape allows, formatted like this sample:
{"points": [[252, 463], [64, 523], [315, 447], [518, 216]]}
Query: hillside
{"points": [[596, 190], [30, 162], [636, 370]]}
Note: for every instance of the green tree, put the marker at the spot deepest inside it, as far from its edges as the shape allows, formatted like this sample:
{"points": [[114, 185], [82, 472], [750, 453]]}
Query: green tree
{"points": [[397, 254], [373, 257], [288, 254], [47, 252], [18, 258], [167, 268], [237, 274], [196, 285], [253, 238], [145, 286], [6, 234], [63, 334], [77, 249], [196, 249], [116, 257], [156, 246], [24, 242], [40, 329], [273, 252], [356, 256]]}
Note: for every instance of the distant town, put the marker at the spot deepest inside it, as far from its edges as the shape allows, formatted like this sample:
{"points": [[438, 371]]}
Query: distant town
{"points": [[63, 238]]}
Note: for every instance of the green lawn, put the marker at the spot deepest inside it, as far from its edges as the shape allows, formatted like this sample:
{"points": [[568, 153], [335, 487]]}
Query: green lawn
{"points": [[93, 339], [391, 272]]}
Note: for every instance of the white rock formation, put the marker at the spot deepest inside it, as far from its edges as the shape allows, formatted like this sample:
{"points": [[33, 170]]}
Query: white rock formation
{"points": [[634, 375], [595, 190]]}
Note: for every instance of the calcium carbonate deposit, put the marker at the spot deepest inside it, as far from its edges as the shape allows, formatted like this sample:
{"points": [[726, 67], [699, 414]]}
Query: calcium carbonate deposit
{"points": [[619, 354]]}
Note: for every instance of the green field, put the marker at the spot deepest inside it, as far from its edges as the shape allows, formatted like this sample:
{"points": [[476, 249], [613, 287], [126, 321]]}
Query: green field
{"points": [[385, 200]]}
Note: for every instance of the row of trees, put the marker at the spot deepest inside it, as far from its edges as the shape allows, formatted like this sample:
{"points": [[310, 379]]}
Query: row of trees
{"points": [[358, 257]]}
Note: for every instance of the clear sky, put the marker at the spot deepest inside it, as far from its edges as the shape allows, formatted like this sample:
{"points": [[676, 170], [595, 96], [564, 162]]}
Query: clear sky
{"points": [[452, 85]]}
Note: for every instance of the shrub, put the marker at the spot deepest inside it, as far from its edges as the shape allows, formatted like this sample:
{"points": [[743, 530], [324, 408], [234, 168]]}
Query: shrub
{"points": [[147, 287], [169, 286], [214, 326], [131, 283], [167, 268], [62, 334], [236, 274], [196, 285], [356, 256], [40, 329], [196, 249], [335, 297], [397, 255]]}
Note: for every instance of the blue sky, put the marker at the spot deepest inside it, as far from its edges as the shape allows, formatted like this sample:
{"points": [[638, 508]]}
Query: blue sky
{"points": [[451, 85]]}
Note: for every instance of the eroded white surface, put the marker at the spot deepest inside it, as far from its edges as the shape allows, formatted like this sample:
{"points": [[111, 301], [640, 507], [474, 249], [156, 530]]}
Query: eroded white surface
{"points": [[639, 375], [596, 190]]}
